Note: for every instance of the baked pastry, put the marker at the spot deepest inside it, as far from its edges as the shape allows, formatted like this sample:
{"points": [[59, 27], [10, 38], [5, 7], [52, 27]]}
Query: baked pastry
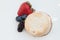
{"points": [[38, 23]]}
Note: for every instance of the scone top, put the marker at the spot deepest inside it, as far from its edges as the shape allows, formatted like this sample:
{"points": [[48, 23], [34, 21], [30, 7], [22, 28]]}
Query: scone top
{"points": [[38, 23]]}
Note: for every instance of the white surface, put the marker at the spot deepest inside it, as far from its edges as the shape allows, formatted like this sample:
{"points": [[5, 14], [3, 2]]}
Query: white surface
{"points": [[8, 24]]}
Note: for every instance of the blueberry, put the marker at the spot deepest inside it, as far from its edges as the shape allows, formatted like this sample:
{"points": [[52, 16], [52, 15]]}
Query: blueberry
{"points": [[18, 18], [23, 17], [20, 26]]}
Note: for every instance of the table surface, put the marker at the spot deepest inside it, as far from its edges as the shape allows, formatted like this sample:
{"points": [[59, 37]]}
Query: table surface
{"points": [[8, 24]]}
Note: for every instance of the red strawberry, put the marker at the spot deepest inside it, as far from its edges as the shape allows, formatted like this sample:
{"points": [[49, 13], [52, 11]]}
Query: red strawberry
{"points": [[25, 9]]}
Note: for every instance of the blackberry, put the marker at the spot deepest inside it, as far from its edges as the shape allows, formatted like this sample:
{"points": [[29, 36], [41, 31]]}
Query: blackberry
{"points": [[20, 26]]}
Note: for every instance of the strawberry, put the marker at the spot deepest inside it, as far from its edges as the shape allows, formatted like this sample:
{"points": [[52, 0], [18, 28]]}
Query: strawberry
{"points": [[25, 8]]}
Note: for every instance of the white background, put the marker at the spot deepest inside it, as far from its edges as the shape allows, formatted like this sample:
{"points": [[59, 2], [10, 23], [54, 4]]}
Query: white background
{"points": [[8, 24]]}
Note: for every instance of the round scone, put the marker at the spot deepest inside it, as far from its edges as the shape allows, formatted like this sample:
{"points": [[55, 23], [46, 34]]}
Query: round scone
{"points": [[38, 23]]}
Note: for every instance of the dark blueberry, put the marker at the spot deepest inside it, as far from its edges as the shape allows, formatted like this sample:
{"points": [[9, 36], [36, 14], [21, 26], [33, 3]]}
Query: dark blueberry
{"points": [[18, 18], [20, 26], [23, 17]]}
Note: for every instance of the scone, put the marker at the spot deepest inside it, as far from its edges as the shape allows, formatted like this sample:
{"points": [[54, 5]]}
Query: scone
{"points": [[38, 24]]}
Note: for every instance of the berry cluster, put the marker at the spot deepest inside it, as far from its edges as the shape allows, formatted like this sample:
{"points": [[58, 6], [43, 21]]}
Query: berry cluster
{"points": [[24, 10]]}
